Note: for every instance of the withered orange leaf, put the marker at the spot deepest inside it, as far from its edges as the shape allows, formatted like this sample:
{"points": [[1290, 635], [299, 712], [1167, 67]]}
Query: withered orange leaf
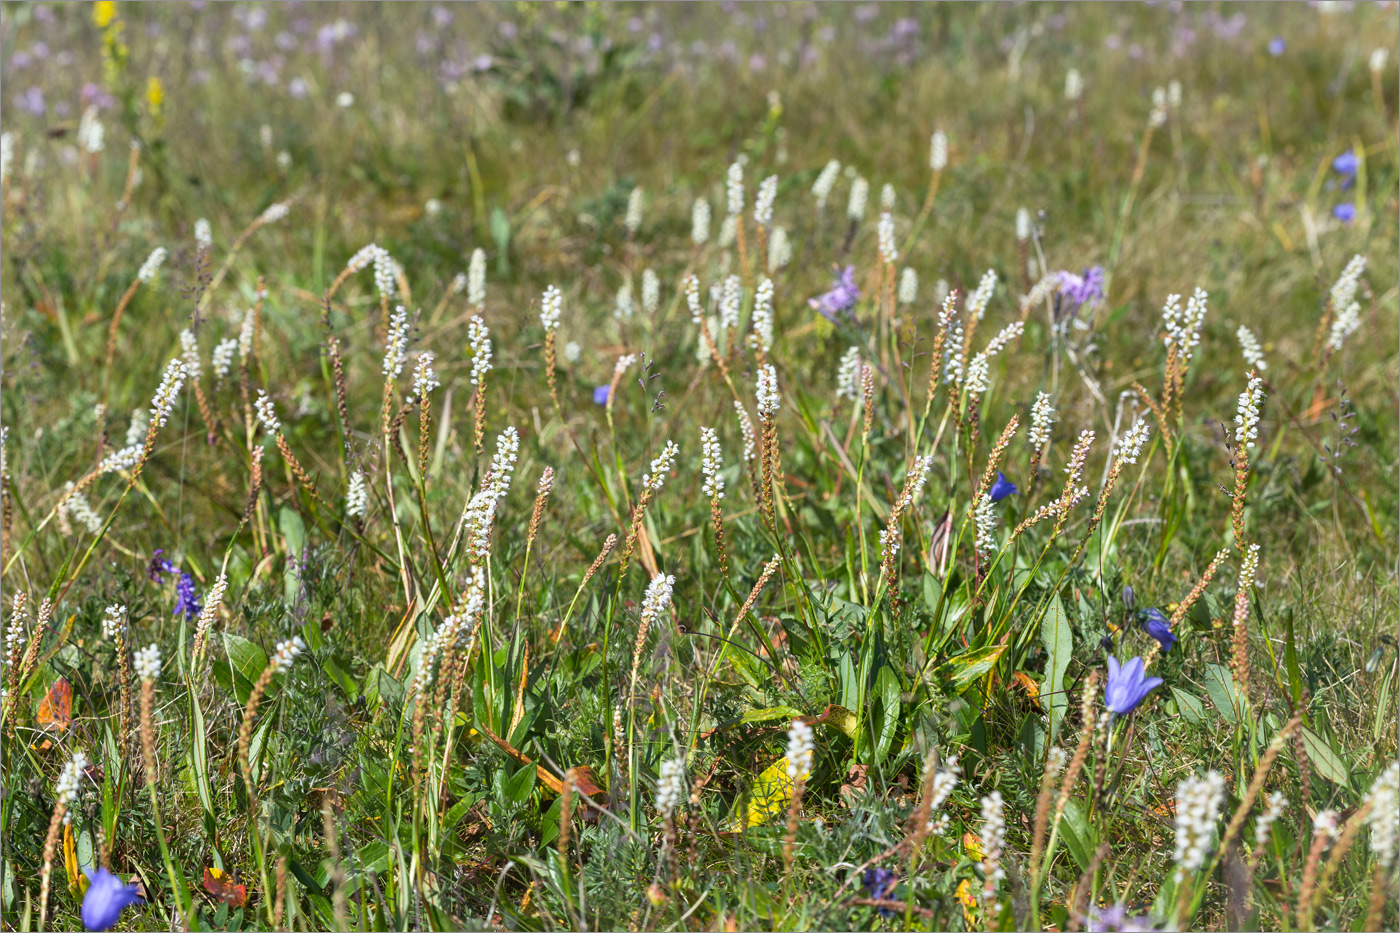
{"points": [[222, 886], [56, 710]]}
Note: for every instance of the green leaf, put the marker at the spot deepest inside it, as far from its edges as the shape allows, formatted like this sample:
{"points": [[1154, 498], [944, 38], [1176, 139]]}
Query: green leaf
{"points": [[1220, 687], [294, 539], [381, 687], [1077, 834], [1190, 705], [520, 785], [963, 671], [1328, 763], [199, 755], [887, 688], [240, 667], [1057, 636], [500, 232]]}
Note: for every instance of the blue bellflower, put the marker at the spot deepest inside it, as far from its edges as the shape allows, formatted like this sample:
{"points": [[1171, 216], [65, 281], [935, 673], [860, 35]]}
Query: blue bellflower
{"points": [[1157, 625], [1277, 46], [601, 395], [1127, 685], [1346, 164], [1002, 488], [106, 898], [1346, 213]]}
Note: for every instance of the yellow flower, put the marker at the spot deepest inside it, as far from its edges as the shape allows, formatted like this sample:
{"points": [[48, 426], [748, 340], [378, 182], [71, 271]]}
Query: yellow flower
{"points": [[103, 12], [968, 901], [155, 94]]}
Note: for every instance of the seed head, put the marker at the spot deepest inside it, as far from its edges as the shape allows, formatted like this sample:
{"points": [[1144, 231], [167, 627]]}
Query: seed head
{"points": [[976, 303], [476, 278], [908, 286], [826, 181], [146, 663], [670, 785], [1384, 818], [113, 621], [661, 466], [551, 306], [357, 497], [479, 340], [938, 151], [700, 222], [152, 265], [1042, 419], [801, 749], [267, 413], [1198, 802], [884, 232], [1250, 349], [734, 189], [763, 201], [848, 375], [711, 463], [1130, 444], [651, 291], [396, 344], [169, 389], [768, 398], [285, 654], [1247, 412], [860, 194]]}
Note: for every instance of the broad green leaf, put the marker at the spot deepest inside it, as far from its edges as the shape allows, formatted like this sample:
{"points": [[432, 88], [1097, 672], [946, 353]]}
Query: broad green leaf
{"points": [[294, 539], [1057, 636], [964, 670], [887, 688], [1328, 763], [1190, 705], [1220, 686], [768, 714], [240, 667], [1077, 834]]}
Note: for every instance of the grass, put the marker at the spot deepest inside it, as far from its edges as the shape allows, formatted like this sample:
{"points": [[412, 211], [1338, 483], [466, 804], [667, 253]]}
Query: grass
{"points": [[479, 713]]}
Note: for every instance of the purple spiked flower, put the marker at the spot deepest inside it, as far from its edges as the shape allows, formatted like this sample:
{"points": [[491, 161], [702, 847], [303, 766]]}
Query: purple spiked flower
{"points": [[1127, 685], [1078, 291], [159, 566], [186, 599], [841, 298], [879, 883]]}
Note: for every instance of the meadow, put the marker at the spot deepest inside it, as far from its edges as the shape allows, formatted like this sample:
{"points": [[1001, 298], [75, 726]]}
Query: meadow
{"points": [[699, 466]]}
